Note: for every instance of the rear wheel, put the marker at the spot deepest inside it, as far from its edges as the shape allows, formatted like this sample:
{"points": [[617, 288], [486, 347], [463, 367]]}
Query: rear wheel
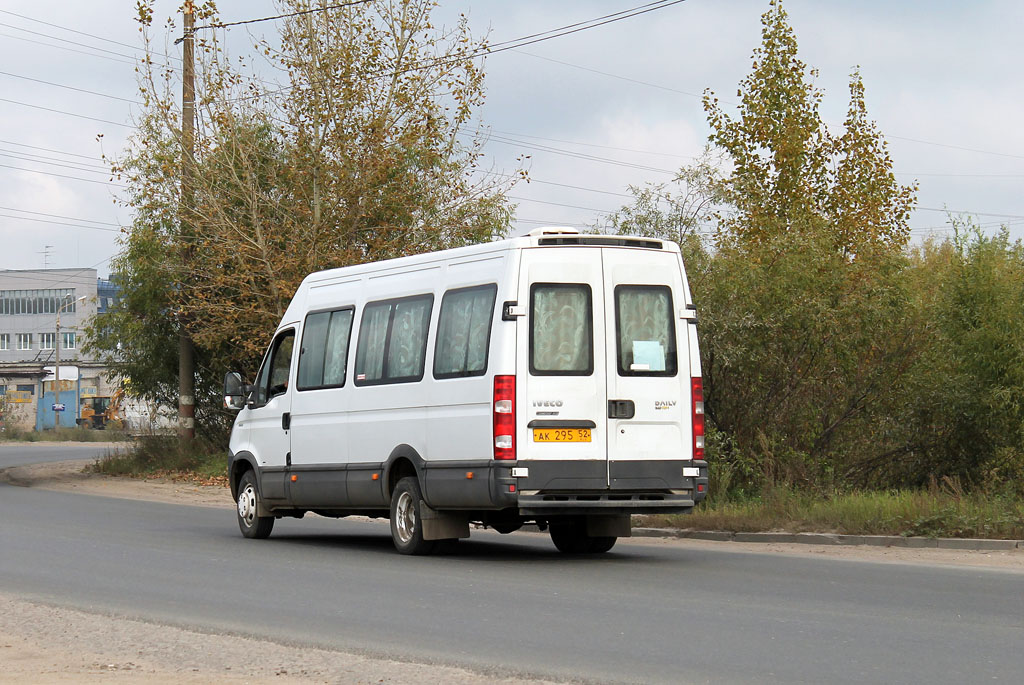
{"points": [[251, 525], [406, 524], [570, 537]]}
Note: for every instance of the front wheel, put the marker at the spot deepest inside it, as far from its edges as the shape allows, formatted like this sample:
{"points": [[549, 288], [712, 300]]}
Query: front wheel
{"points": [[406, 524], [251, 525]]}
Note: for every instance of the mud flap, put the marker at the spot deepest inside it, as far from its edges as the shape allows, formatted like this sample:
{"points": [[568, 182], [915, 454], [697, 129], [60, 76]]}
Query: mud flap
{"points": [[442, 526]]}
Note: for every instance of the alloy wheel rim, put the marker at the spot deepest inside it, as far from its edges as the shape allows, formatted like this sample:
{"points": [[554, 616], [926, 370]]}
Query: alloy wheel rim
{"points": [[405, 517]]}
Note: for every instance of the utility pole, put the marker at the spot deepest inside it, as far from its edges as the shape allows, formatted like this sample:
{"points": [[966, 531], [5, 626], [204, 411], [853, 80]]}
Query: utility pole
{"points": [[56, 373], [186, 352]]}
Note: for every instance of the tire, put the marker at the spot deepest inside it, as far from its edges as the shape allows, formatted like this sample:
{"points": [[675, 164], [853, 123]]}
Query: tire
{"points": [[251, 525], [600, 545], [406, 525], [570, 537]]}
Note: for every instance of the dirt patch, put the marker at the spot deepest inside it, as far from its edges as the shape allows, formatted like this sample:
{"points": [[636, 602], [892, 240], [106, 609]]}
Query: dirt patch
{"points": [[46, 644], [70, 476]]}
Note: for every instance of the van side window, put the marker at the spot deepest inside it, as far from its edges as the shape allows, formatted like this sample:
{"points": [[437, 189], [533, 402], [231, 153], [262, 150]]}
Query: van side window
{"points": [[645, 331], [324, 349], [561, 329], [273, 376], [464, 331], [393, 340]]}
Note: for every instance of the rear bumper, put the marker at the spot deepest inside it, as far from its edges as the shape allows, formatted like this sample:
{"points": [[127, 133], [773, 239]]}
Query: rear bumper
{"points": [[659, 486]]}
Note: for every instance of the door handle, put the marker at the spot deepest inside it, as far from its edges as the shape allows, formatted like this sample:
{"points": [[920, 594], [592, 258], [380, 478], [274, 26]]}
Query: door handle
{"points": [[286, 421], [621, 409]]}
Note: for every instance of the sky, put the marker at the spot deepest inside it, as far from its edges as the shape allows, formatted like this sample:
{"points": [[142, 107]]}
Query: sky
{"points": [[596, 111]]}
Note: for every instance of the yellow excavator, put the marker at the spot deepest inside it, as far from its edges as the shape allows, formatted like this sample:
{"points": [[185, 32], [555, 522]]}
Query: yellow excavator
{"points": [[103, 412]]}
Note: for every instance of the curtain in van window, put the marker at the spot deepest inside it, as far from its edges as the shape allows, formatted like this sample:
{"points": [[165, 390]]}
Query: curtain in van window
{"points": [[462, 332], [561, 329], [372, 335], [646, 335], [408, 338]]}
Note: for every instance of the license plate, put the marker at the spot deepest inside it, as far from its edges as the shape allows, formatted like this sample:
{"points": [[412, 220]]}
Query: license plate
{"points": [[561, 435]]}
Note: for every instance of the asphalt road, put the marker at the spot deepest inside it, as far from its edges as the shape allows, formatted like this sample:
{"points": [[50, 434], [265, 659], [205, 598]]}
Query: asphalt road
{"points": [[21, 453], [642, 613]]}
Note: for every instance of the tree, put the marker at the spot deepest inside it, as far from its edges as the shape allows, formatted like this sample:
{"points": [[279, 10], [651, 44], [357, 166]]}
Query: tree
{"points": [[964, 403], [805, 324], [360, 156], [777, 145]]}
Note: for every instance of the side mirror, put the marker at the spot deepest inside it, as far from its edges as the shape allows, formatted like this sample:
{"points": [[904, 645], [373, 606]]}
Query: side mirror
{"points": [[234, 391]]}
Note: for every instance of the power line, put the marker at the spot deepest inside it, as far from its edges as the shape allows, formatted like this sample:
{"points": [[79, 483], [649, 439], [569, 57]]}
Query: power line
{"points": [[60, 111], [529, 180], [967, 211], [615, 76], [510, 44], [223, 25], [72, 165], [30, 157], [581, 26], [59, 216], [75, 178], [80, 52], [576, 142], [559, 204], [576, 155], [957, 147], [61, 85], [72, 42], [935, 175], [60, 223], [47, 149], [81, 33]]}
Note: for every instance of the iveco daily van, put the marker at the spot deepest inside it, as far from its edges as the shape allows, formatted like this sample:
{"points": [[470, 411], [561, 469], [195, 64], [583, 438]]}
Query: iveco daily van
{"points": [[552, 379]]}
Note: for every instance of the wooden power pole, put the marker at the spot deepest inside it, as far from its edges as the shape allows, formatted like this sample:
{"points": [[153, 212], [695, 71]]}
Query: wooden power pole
{"points": [[186, 351]]}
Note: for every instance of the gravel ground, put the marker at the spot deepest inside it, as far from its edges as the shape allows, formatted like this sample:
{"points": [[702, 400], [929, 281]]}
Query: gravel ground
{"points": [[40, 643], [47, 644]]}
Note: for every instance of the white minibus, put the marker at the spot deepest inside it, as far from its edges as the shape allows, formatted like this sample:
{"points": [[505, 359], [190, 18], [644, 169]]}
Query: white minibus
{"points": [[550, 379]]}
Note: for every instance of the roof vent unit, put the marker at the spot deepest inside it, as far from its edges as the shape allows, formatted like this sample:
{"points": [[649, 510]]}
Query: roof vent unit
{"points": [[553, 230]]}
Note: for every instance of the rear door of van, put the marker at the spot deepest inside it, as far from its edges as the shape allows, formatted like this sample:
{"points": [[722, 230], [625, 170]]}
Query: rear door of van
{"points": [[647, 368], [561, 384], [604, 369]]}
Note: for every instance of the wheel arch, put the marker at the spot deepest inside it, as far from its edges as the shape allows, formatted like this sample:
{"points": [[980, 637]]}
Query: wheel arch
{"points": [[404, 461], [240, 463]]}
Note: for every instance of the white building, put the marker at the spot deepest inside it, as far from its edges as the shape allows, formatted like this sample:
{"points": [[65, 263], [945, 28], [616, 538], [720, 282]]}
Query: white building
{"points": [[30, 303]]}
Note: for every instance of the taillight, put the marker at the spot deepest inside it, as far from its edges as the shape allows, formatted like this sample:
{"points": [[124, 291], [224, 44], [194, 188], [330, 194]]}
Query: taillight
{"points": [[697, 400], [504, 417]]}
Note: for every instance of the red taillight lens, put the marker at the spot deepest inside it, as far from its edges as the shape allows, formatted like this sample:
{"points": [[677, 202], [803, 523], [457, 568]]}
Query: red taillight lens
{"points": [[697, 400], [504, 417]]}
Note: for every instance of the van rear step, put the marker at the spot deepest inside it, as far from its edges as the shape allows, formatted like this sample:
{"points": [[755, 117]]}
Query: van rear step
{"points": [[606, 502]]}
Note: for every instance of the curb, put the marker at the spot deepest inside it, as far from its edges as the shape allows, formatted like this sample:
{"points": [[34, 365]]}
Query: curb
{"points": [[969, 544]]}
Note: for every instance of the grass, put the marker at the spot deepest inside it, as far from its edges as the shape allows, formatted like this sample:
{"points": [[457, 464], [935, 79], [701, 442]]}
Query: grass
{"points": [[75, 434], [944, 511], [166, 457]]}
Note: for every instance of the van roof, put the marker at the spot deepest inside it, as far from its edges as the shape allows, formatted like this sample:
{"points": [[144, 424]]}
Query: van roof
{"points": [[545, 237]]}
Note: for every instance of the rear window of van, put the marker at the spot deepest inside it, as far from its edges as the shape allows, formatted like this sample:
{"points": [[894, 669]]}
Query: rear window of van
{"points": [[645, 331], [561, 329]]}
